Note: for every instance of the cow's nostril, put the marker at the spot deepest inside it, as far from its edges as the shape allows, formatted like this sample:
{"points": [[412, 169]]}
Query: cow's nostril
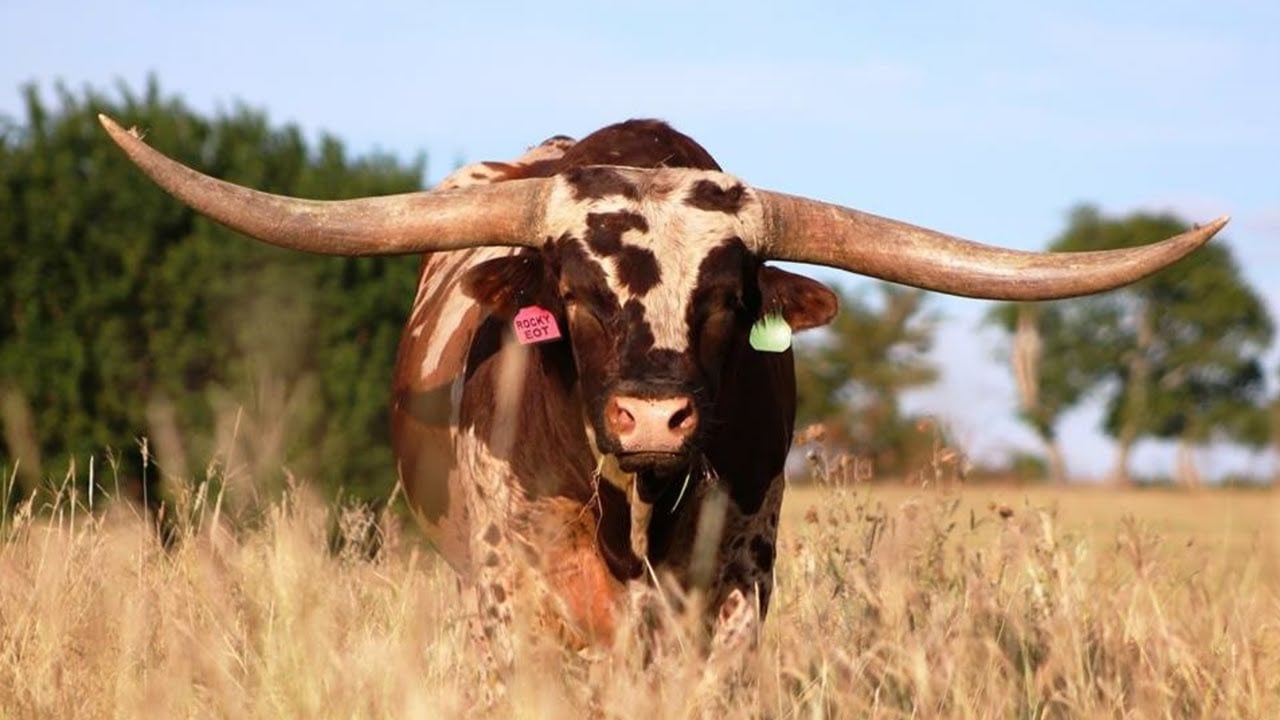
{"points": [[684, 418], [621, 420]]}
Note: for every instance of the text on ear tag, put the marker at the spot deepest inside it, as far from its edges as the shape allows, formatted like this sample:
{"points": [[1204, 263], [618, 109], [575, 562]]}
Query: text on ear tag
{"points": [[534, 324], [771, 333]]}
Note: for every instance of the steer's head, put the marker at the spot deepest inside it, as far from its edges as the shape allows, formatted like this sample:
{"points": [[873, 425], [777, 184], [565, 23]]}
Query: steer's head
{"points": [[659, 276], [658, 273]]}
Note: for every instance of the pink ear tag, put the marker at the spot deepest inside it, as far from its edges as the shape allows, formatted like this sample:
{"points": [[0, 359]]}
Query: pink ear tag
{"points": [[535, 325]]}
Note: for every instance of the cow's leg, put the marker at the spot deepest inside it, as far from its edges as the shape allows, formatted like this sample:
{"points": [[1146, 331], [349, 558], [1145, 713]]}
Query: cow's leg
{"points": [[582, 595], [495, 569], [745, 582]]}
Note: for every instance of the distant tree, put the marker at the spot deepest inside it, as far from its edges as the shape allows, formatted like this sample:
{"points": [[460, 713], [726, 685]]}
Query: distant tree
{"points": [[1273, 425], [121, 309], [850, 376], [1059, 352], [1176, 356]]}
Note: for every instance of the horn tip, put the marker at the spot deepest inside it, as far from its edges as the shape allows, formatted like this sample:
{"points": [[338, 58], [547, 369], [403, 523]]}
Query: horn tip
{"points": [[113, 128], [1212, 227]]}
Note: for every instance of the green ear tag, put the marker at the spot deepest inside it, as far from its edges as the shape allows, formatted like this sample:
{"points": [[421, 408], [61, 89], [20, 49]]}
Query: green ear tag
{"points": [[771, 333]]}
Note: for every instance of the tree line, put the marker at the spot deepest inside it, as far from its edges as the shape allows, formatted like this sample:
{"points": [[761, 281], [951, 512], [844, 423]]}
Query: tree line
{"points": [[137, 336], [143, 341]]}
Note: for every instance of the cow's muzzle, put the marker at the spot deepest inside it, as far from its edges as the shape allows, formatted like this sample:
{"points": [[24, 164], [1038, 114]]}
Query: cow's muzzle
{"points": [[646, 429]]}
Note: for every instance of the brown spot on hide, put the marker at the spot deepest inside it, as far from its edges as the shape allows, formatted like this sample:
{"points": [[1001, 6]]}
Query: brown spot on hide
{"points": [[605, 230], [491, 559], [593, 183], [492, 534], [637, 269], [499, 593], [762, 551], [637, 360], [737, 573], [708, 195]]}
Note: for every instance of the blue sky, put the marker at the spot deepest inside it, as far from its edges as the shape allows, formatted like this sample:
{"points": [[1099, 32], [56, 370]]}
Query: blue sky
{"points": [[987, 121]]}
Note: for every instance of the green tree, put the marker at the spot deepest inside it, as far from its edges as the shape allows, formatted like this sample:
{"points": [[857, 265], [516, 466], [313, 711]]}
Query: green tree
{"points": [[1176, 356], [1059, 352], [123, 310], [1273, 426], [849, 376]]}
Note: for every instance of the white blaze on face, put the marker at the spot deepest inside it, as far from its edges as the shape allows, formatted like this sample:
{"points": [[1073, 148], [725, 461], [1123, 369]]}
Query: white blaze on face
{"points": [[679, 235]]}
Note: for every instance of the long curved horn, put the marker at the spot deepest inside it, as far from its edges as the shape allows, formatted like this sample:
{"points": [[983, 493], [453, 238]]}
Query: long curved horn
{"points": [[506, 213], [810, 231]]}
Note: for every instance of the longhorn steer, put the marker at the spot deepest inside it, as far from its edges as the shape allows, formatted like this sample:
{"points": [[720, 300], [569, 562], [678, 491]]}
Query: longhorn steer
{"points": [[570, 465]]}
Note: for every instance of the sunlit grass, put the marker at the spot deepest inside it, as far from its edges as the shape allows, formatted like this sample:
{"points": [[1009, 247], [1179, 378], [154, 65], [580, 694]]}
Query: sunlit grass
{"points": [[891, 602]]}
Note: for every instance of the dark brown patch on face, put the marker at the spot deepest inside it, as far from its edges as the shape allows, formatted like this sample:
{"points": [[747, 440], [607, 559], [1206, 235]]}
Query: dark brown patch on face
{"points": [[492, 534], [593, 183], [722, 306], [637, 269], [605, 230], [708, 195], [762, 552], [582, 277], [592, 310], [638, 338]]}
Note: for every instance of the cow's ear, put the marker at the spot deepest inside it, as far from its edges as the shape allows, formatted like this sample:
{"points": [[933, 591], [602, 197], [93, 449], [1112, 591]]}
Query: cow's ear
{"points": [[803, 302], [506, 284]]}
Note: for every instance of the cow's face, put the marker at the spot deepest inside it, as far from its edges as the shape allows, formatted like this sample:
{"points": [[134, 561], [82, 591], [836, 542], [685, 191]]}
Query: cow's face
{"points": [[656, 277]]}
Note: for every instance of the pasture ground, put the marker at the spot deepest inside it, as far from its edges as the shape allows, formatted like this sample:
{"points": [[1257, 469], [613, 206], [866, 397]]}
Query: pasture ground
{"points": [[891, 602]]}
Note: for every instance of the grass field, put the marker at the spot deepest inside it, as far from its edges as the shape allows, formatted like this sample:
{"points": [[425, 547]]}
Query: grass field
{"points": [[891, 602]]}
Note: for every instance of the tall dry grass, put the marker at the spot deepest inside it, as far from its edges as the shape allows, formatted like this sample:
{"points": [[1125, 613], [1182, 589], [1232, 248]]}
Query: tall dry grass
{"points": [[889, 605]]}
